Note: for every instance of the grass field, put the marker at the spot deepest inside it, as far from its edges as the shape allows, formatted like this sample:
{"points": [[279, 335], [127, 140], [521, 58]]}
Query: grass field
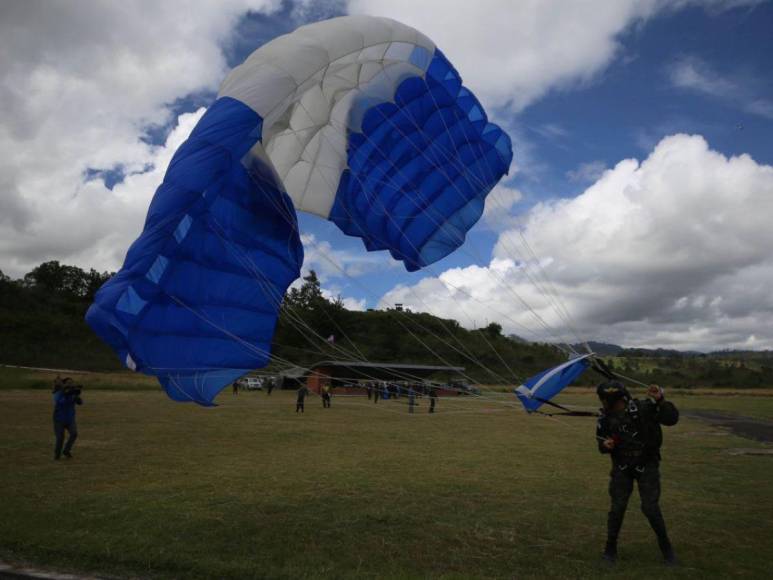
{"points": [[251, 490]]}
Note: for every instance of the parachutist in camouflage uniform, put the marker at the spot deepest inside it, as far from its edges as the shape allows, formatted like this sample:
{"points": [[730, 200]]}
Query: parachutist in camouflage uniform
{"points": [[629, 430]]}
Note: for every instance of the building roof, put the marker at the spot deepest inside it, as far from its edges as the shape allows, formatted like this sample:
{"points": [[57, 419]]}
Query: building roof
{"points": [[372, 370]]}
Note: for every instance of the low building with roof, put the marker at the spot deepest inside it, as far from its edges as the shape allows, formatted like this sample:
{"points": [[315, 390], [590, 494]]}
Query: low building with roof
{"points": [[351, 377]]}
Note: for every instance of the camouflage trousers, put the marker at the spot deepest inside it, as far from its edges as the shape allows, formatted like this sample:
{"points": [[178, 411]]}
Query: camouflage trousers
{"points": [[621, 482]]}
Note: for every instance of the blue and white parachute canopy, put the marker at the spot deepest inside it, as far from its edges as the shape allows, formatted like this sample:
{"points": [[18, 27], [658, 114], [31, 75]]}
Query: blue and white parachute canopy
{"points": [[359, 120], [541, 388]]}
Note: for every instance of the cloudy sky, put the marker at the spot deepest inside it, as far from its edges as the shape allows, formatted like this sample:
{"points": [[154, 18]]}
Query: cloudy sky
{"points": [[637, 210]]}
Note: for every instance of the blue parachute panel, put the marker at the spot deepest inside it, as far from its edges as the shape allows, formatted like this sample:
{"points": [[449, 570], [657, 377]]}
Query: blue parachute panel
{"points": [[420, 170], [199, 388], [196, 301], [544, 386]]}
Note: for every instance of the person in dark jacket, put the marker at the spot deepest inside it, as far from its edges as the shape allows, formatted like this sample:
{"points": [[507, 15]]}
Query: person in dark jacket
{"points": [[411, 399], [378, 389], [301, 400], [326, 397], [66, 396], [628, 430], [432, 399]]}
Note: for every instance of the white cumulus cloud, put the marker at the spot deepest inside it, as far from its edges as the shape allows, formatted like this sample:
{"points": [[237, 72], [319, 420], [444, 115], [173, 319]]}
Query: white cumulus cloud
{"points": [[511, 52], [80, 82], [497, 213], [696, 75], [670, 251]]}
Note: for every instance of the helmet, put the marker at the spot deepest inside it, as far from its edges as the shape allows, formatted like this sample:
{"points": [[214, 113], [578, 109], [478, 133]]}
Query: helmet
{"points": [[612, 391]]}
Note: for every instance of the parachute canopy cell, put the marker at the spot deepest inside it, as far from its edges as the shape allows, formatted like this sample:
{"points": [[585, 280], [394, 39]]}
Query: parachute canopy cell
{"points": [[359, 120]]}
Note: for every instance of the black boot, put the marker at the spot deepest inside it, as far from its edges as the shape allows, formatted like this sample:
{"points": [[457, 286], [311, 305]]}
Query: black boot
{"points": [[610, 553], [669, 557]]}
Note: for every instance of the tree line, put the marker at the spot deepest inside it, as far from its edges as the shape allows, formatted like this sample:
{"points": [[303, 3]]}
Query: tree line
{"points": [[42, 324]]}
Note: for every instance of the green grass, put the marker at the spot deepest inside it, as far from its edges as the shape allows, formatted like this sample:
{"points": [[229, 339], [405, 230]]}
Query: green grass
{"points": [[251, 490]]}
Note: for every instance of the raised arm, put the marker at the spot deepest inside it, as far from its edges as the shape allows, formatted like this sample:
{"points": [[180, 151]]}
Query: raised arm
{"points": [[666, 412]]}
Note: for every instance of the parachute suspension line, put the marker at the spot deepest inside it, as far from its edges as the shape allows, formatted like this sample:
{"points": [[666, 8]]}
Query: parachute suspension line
{"points": [[523, 302], [545, 285], [550, 296], [431, 350], [238, 338], [289, 364], [458, 289], [249, 346], [466, 353], [488, 343], [549, 292], [567, 412], [556, 294], [387, 214], [451, 159], [205, 286], [540, 321], [301, 324], [297, 321], [251, 267], [475, 361]]}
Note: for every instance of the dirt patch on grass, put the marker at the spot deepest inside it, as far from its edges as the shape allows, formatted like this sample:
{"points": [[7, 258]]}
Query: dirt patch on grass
{"points": [[750, 451], [748, 427]]}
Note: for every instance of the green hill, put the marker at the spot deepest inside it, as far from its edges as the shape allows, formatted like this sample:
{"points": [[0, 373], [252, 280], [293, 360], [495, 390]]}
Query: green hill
{"points": [[42, 325]]}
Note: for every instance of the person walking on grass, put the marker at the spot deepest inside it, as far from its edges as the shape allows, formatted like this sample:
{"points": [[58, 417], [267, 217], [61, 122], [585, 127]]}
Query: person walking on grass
{"points": [[301, 400], [66, 396], [628, 430], [326, 397], [411, 398], [432, 399], [235, 388]]}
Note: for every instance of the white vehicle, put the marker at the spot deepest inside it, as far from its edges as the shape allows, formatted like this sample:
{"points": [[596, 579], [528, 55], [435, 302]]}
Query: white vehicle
{"points": [[251, 383]]}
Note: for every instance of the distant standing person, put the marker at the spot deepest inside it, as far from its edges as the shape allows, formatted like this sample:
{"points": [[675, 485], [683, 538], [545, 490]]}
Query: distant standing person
{"points": [[432, 399], [369, 390], [376, 392], [235, 388], [326, 397], [411, 399], [300, 401], [269, 385], [66, 396]]}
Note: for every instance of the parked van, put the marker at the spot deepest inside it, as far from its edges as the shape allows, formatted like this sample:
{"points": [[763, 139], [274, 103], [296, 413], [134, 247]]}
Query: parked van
{"points": [[251, 383]]}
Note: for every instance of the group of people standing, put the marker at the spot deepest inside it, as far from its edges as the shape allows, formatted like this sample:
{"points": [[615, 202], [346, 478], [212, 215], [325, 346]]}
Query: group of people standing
{"points": [[303, 391], [376, 390]]}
